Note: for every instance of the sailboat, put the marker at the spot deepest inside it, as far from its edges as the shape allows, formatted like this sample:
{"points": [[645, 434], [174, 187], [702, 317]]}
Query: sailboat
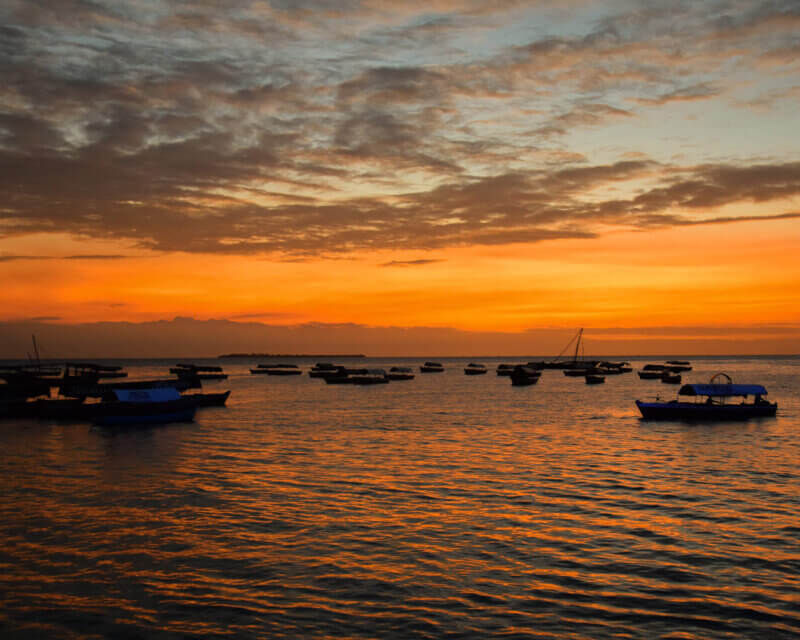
{"points": [[558, 363]]}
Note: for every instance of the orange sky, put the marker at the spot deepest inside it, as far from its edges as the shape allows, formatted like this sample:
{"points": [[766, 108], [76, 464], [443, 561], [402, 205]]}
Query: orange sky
{"points": [[504, 168]]}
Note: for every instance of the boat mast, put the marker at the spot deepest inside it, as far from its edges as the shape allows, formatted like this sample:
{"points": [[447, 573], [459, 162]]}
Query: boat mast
{"points": [[577, 345]]}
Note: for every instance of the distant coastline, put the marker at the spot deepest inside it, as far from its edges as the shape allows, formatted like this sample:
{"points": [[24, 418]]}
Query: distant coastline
{"points": [[292, 355]]}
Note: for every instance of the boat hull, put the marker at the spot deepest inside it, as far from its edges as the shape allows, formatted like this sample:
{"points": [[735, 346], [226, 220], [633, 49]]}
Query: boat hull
{"points": [[159, 417], [696, 411]]}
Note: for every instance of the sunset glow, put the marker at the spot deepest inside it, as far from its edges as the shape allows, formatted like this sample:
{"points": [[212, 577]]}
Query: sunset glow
{"points": [[526, 167]]}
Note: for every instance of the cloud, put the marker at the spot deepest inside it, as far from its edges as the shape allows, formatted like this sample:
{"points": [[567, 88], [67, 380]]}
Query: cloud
{"points": [[11, 257], [410, 263], [321, 128]]}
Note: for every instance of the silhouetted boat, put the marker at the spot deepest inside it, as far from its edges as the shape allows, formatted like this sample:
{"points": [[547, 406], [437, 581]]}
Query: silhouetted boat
{"points": [[277, 369], [594, 378], [710, 403], [668, 377], [100, 389], [400, 373], [199, 372], [679, 365], [208, 399], [358, 377], [505, 369], [474, 369], [143, 406], [652, 371], [557, 363], [432, 367], [523, 376], [323, 369]]}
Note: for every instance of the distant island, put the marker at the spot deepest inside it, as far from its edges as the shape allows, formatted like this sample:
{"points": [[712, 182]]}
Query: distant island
{"points": [[292, 355]]}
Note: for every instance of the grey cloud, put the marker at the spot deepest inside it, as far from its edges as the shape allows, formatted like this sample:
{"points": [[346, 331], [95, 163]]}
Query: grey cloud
{"points": [[410, 263]]}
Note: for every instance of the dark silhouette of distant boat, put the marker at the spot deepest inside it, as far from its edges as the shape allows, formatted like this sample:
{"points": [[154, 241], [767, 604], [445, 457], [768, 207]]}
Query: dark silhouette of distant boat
{"points": [[198, 372], [523, 376], [474, 369], [277, 370], [594, 378], [400, 373], [432, 367]]}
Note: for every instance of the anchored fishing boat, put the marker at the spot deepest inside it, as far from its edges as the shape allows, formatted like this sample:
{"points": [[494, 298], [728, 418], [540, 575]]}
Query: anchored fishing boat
{"points": [[712, 401]]}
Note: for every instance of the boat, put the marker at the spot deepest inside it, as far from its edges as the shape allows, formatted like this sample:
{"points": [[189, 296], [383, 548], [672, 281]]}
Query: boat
{"points": [[208, 399], [557, 363], [505, 369], [198, 372], [593, 378], [369, 377], [90, 370], [710, 402], [474, 369], [323, 369], [669, 377], [358, 377], [576, 373], [679, 365], [523, 376], [278, 369], [400, 373], [432, 367], [159, 405], [100, 389], [652, 371]]}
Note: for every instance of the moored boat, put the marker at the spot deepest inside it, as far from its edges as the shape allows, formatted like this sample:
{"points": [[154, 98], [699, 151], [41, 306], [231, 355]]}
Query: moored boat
{"points": [[505, 369], [432, 367], [711, 403], [594, 378], [400, 373], [652, 371], [358, 377], [474, 369], [198, 372], [523, 376], [323, 369], [668, 377], [143, 406], [277, 369]]}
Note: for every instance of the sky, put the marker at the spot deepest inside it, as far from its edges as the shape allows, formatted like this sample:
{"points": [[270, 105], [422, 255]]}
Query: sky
{"points": [[481, 172]]}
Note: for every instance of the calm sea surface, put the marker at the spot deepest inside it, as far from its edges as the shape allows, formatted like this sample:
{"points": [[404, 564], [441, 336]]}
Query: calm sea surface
{"points": [[450, 506]]}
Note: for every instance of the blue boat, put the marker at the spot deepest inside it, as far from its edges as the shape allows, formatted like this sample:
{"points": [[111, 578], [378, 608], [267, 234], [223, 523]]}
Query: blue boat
{"points": [[712, 402], [144, 406]]}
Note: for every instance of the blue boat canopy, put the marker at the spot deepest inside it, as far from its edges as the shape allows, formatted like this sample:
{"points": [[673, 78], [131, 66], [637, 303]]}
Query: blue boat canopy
{"points": [[720, 390], [161, 394]]}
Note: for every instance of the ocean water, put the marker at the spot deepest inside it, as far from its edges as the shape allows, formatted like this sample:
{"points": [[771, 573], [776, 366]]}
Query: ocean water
{"points": [[449, 506]]}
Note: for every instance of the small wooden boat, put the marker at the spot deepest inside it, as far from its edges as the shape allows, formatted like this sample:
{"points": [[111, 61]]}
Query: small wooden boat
{"points": [[474, 369], [208, 399], [198, 372], [594, 379], [277, 369], [323, 369], [679, 365], [432, 367], [668, 377], [505, 369], [358, 377], [524, 376], [400, 373], [652, 371]]}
